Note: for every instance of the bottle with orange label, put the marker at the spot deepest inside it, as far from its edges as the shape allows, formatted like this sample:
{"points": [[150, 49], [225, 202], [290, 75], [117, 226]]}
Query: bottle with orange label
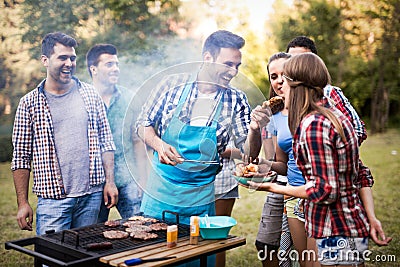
{"points": [[194, 230], [172, 236]]}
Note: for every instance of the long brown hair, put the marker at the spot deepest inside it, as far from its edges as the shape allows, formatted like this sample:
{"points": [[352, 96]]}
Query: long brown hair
{"points": [[307, 75]]}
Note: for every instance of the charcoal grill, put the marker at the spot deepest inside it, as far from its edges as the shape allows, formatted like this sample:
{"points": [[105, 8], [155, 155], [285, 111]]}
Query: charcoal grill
{"points": [[68, 247]]}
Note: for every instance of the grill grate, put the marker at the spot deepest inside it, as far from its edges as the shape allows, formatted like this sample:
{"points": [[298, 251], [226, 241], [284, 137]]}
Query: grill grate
{"points": [[78, 238]]}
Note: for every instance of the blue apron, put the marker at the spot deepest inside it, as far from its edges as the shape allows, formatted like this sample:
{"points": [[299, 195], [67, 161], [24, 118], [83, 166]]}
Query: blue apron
{"points": [[186, 188]]}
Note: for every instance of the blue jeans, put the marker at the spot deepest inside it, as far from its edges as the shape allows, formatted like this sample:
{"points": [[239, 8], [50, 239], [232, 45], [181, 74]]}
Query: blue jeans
{"points": [[342, 250], [129, 200], [67, 213]]}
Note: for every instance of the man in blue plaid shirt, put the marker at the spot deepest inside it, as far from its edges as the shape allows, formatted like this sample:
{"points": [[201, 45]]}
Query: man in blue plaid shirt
{"points": [[188, 120]]}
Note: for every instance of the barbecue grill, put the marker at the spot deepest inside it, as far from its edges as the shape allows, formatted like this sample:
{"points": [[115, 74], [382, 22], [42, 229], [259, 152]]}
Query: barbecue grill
{"points": [[68, 247]]}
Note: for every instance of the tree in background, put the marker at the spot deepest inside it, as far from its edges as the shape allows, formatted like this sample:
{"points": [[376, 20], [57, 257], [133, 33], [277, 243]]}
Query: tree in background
{"points": [[386, 63], [235, 16], [359, 41], [125, 23], [317, 19], [16, 65], [131, 25]]}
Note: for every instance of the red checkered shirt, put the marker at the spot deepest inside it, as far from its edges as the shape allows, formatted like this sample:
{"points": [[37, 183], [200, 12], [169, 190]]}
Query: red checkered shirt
{"points": [[337, 98], [330, 167]]}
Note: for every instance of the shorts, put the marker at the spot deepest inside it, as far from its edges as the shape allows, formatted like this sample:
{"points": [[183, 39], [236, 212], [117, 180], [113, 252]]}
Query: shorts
{"points": [[233, 193], [341, 250], [270, 227], [295, 208]]}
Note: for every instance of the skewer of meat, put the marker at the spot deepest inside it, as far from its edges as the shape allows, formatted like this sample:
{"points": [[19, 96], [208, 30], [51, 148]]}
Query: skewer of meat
{"points": [[276, 104]]}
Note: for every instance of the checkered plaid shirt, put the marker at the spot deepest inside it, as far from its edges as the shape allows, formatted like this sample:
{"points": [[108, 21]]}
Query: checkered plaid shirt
{"points": [[161, 105], [336, 95], [342, 103], [33, 140], [330, 167], [224, 181]]}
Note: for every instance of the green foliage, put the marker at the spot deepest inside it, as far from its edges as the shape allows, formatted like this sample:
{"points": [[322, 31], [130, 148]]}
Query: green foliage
{"points": [[358, 39], [357, 85], [16, 66], [41, 17], [360, 44], [318, 20], [127, 24], [124, 23], [6, 149]]}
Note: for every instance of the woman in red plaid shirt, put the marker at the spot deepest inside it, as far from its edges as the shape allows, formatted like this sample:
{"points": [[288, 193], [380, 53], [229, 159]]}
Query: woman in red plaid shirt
{"points": [[326, 150]]}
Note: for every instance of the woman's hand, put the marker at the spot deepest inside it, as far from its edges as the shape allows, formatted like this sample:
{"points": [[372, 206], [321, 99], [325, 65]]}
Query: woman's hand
{"points": [[260, 117], [263, 166], [377, 234]]}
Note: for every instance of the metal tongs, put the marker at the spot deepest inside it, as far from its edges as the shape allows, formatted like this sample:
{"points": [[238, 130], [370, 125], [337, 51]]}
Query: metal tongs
{"points": [[201, 161]]}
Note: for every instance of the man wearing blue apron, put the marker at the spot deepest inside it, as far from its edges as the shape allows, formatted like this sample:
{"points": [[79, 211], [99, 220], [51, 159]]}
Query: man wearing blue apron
{"points": [[192, 118]]}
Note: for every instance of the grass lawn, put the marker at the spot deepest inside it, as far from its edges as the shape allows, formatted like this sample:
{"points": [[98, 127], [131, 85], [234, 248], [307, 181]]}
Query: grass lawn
{"points": [[377, 152]]}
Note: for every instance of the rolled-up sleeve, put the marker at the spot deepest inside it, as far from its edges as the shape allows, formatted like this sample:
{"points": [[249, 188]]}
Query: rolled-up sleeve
{"points": [[365, 178], [152, 109]]}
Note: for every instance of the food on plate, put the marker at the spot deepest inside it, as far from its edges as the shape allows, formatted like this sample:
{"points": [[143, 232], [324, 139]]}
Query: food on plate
{"points": [[143, 219], [251, 168], [115, 234], [99, 246], [158, 226], [242, 169], [138, 228], [143, 235], [112, 223], [276, 104], [262, 178]]}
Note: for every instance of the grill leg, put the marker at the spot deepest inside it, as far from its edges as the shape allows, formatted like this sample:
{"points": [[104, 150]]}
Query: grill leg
{"points": [[203, 261], [38, 263]]}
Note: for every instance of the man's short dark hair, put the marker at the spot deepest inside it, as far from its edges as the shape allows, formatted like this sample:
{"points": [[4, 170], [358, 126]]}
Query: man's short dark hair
{"points": [[51, 39], [92, 56], [302, 41], [222, 39]]}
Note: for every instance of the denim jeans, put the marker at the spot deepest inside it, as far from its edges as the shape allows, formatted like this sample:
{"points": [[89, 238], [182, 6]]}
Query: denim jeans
{"points": [[129, 199], [67, 213], [342, 250]]}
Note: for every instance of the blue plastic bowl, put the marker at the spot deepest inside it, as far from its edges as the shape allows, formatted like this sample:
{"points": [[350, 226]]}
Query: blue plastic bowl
{"points": [[219, 227]]}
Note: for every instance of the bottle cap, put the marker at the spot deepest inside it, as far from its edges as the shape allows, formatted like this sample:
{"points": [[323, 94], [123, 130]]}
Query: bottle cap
{"points": [[194, 219], [172, 228]]}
